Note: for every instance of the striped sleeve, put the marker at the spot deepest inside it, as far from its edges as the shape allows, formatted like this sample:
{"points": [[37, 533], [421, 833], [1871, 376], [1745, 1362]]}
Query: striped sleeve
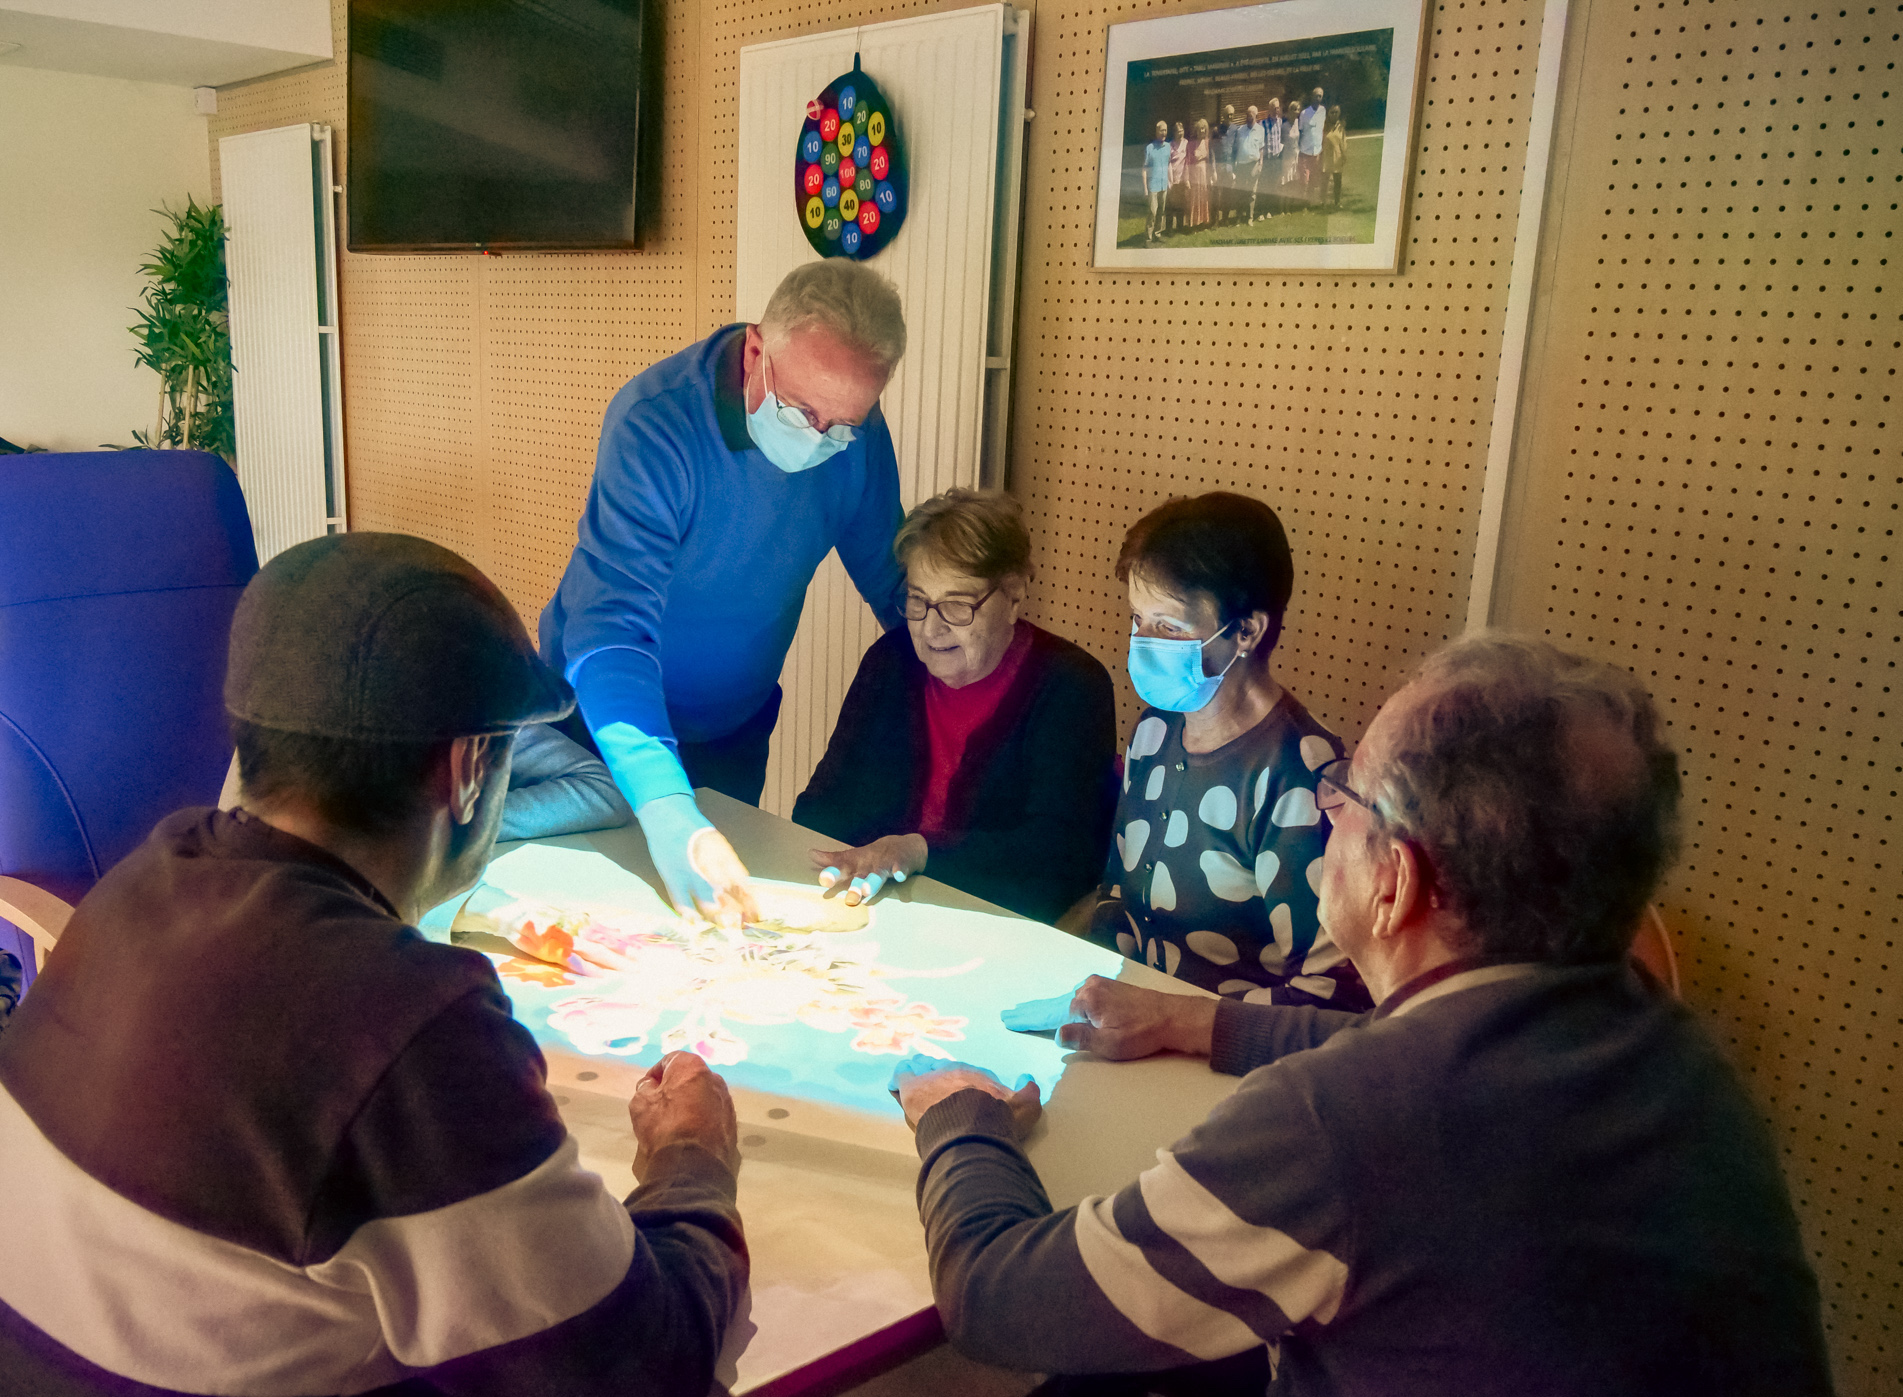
{"points": [[494, 1259], [1234, 1237]]}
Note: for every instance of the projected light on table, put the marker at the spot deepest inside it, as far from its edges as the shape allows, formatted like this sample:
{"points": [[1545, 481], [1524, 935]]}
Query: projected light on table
{"points": [[817, 1001]]}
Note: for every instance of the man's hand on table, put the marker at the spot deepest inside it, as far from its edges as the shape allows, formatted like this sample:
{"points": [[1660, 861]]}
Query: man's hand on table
{"points": [[865, 870], [1122, 1021], [682, 1100], [702, 872], [921, 1082]]}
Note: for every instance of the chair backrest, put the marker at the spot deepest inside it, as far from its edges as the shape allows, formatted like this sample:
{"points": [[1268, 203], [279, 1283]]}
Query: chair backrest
{"points": [[119, 572]]}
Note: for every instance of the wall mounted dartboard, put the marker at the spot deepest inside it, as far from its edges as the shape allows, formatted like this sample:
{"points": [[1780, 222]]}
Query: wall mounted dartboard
{"points": [[849, 175]]}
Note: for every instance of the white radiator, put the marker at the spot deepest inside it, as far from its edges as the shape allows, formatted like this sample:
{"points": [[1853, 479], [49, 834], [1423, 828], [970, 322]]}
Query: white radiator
{"points": [[281, 256], [956, 84]]}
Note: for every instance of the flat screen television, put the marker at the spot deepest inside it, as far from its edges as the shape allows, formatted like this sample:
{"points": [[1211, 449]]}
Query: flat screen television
{"points": [[495, 125]]}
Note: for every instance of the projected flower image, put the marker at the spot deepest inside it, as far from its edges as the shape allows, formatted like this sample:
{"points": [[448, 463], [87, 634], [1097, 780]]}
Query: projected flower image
{"points": [[673, 984]]}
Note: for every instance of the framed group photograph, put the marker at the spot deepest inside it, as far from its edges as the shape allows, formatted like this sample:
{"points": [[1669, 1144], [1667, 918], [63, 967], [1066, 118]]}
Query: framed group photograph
{"points": [[1267, 138]]}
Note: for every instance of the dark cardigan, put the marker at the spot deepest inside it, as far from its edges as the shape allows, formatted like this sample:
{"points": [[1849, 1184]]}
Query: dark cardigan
{"points": [[1031, 802]]}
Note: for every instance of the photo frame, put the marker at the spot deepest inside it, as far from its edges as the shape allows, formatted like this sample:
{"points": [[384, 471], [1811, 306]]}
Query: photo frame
{"points": [[1322, 188]]}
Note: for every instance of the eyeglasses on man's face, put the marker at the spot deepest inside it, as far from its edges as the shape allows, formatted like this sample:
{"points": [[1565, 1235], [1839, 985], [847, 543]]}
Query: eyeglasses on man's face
{"points": [[953, 611], [1332, 788], [793, 415]]}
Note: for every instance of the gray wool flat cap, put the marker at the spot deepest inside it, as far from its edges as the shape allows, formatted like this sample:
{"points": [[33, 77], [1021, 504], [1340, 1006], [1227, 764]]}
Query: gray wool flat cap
{"points": [[384, 638]]}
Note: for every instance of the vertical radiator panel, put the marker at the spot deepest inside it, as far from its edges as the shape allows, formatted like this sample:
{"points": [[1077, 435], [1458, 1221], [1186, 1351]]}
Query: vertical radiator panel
{"points": [[282, 265], [943, 73]]}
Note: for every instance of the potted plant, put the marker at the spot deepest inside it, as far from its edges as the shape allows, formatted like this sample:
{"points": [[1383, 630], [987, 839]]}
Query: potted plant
{"points": [[184, 333]]}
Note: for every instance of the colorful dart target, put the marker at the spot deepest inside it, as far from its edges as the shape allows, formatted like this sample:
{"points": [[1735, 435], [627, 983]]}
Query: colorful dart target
{"points": [[850, 181]]}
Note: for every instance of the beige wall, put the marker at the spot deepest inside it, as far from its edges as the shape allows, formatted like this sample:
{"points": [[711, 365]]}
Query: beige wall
{"points": [[84, 161], [1707, 491], [474, 388]]}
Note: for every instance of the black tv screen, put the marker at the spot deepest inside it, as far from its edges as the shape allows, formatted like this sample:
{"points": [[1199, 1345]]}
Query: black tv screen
{"points": [[480, 125]]}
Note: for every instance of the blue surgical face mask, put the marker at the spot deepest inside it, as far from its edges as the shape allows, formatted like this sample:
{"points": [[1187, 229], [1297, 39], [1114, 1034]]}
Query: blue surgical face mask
{"points": [[793, 446], [792, 449], [1168, 674]]}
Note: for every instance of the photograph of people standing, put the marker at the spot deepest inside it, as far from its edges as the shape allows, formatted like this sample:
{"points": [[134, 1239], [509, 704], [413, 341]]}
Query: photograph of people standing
{"points": [[1232, 148]]}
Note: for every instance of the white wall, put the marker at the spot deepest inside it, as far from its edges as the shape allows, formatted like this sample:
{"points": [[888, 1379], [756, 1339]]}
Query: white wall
{"points": [[83, 162]]}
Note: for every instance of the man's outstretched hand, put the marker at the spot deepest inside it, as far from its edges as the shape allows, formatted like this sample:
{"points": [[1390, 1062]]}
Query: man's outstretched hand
{"points": [[921, 1082], [683, 1100], [1119, 1021]]}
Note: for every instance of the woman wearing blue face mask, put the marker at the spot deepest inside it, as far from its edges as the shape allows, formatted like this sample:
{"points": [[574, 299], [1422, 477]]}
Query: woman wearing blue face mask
{"points": [[1218, 845]]}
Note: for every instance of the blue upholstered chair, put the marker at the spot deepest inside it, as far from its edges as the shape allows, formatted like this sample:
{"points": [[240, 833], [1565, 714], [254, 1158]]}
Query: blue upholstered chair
{"points": [[119, 571]]}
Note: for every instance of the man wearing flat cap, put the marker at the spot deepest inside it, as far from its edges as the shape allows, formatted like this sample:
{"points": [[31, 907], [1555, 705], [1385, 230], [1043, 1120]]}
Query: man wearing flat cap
{"points": [[260, 1137]]}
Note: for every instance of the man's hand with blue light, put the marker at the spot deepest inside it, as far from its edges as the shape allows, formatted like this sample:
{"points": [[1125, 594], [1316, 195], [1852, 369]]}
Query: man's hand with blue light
{"points": [[867, 869], [921, 1082], [1118, 1022]]}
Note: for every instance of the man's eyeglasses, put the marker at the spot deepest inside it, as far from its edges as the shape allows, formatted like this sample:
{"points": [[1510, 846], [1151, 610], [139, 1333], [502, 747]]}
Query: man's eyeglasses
{"points": [[794, 415], [1332, 788], [953, 611]]}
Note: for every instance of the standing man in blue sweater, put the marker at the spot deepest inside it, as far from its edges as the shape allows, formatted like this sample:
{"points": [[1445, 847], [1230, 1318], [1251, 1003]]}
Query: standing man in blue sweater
{"points": [[725, 475]]}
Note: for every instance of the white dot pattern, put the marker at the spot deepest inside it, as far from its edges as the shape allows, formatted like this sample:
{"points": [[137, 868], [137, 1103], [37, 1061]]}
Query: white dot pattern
{"points": [[1296, 806], [1176, 831], [1162, 889], [1316, 752], [1268, 863], [1315, 876], [1215, 948], [1130, 843], [1228, 879], [1218, 808], [1154, 786], [1147, 740]]}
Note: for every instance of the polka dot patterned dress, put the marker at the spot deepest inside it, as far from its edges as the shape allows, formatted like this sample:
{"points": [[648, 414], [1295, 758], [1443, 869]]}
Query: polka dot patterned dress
{"points": [[1216, 872]]}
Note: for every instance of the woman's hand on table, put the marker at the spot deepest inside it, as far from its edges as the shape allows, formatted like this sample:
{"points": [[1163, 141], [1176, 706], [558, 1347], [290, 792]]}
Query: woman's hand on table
{"points": [[921, 1082], [682, 1100], [864, 870], [1119, 1021]]}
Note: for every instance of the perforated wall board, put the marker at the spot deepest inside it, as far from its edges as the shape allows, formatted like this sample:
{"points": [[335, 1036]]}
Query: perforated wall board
{"points": [[1706, 490]]}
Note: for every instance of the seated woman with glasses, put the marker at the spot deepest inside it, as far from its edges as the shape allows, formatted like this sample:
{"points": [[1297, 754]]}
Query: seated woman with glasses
{"points": [[972, 745], [1219, 834]]}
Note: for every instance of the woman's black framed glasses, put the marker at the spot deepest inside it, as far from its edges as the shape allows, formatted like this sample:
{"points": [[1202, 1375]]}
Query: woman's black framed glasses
{"points": [[953, 611]]}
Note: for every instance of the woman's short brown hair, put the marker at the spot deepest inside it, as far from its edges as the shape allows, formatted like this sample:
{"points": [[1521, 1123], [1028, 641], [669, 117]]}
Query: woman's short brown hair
{"points": [[980, 533]]}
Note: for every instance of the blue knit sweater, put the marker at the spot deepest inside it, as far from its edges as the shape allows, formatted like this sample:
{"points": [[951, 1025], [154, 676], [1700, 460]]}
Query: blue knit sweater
{"points": [[693, 556]]}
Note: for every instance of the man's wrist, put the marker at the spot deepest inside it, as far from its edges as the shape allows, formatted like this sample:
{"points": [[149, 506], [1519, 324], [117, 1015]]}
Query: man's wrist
{"points": [[1192, 1026]]}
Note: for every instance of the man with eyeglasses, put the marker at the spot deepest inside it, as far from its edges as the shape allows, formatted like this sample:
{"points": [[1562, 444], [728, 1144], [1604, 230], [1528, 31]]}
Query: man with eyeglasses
{"points": [[1528, 1170], [725, 475]]}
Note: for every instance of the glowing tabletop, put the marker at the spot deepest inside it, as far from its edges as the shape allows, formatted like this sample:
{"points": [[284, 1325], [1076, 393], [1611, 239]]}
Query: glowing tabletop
{"points": [[806, 1025]]}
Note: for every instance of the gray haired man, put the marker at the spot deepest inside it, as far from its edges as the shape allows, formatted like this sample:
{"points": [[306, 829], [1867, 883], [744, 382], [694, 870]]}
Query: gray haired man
{"points": [[726, 473], [1526, 1171]]}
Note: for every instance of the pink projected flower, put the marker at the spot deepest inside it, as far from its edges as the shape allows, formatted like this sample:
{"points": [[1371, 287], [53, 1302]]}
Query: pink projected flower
{"points": [[884, 1029]]}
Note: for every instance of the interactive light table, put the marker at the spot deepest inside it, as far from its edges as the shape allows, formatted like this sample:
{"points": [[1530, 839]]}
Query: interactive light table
{"points": [[805, 1016]]}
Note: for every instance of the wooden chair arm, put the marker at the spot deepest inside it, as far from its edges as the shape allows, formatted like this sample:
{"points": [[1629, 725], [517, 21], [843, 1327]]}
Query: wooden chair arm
{"points": [[41, 915]]}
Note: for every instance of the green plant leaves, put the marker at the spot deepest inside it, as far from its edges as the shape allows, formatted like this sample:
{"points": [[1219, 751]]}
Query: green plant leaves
{"points": [[184, 333]]}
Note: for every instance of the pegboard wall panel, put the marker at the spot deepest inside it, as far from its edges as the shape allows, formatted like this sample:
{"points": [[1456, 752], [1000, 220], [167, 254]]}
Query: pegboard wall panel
{"points": [[474, 386], [1358, 407], [1708, 493]]}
